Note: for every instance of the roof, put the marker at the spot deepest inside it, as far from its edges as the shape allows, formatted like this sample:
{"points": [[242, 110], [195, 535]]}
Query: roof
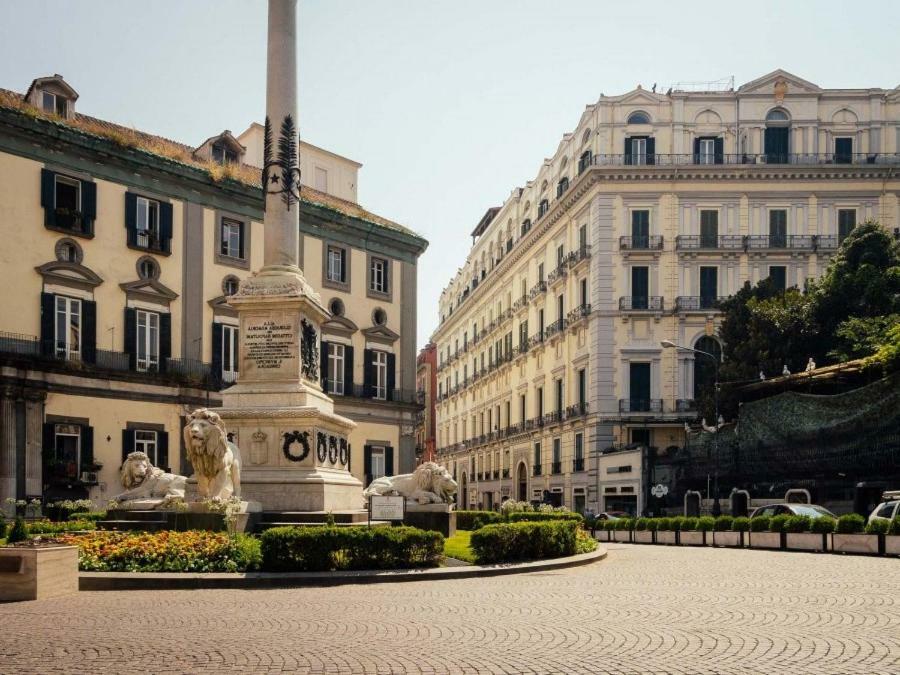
{"points": [[485, 221], [179, 152]]}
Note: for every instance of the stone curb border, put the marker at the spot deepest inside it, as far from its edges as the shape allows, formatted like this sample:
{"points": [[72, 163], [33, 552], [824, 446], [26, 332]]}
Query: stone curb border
{"points": [[127, 581]]}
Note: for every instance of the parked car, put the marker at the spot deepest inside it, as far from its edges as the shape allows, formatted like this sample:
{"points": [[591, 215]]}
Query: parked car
{"points": [[613, 515], [811, 510], [889, 508]]}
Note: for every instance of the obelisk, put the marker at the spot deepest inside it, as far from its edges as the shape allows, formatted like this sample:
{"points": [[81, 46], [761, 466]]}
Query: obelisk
{"points": [[295, 450]]}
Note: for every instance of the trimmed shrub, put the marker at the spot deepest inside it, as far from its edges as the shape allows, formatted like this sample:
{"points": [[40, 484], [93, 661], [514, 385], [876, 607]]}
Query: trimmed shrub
{"points": [[641, 524], [777, 523], [609, 524], [535, 516], [688, 524], [706, 524], [676, 524], [894, 528], [740, 524], [92, 516], [796, 524], [760, 524], [505, 542], [878, 526], [316, 549], [822, 525], [625, 524], [652, 524], [664, 525], [50, 527], [723, 523], [18, 532], [473, 520], [851, 523]]}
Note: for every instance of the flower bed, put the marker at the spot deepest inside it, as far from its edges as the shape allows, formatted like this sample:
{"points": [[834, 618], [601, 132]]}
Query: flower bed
{"points": [[166, 551]]}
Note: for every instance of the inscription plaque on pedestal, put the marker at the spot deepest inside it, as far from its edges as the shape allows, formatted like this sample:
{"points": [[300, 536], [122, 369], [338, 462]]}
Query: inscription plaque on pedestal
{"points": [[270, 347]]}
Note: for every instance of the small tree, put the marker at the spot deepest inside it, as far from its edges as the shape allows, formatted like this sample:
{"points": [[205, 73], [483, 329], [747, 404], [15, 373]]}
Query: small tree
{"points": [[18, 532]]}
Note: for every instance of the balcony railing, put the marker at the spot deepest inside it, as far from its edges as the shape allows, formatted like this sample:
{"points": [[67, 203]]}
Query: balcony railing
{"points": [[149, 240], [506, 473], [496, 474], [536, 290], [536, 470], [728, 242], [641, 303], [578, 314], [696, 303], [578, 464], [556, 467], [794, 242], [691, 159], [583, 252], [535, 340], [637, 405], [651, 243], [683, 405], [554, 417], [520, 303], [559, 273], [556, 327], [577, 410]]}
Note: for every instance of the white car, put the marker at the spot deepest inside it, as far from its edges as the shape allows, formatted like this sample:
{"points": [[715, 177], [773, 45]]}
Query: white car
{"points": [[889, 508]]}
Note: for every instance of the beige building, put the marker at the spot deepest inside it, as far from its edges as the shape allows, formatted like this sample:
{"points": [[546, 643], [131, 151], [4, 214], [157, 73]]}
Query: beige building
{"points": [[121, 251], [651, 210]]}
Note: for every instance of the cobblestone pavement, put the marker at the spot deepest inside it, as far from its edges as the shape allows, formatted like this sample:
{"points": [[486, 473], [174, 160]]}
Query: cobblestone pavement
{"points": [[643, 609]]}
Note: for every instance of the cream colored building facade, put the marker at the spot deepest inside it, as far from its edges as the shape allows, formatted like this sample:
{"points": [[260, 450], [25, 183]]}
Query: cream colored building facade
{"points": [[121, 251], [650, 211]]}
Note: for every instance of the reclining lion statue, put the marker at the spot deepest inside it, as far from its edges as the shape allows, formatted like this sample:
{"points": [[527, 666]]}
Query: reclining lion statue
{"points": [[430, 483], [216, 460], [143, 481]]}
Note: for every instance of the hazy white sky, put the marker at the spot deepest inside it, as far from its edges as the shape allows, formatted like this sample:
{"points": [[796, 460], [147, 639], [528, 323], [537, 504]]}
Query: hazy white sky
{"points": [[448, 105]]}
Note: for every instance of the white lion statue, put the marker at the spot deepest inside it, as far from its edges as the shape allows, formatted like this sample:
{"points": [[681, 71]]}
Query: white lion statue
{"points": [[430, 483], [216, 461], [143, 481]]}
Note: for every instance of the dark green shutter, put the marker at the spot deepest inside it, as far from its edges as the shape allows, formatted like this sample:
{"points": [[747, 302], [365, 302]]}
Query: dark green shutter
{"points": [[89, 331], [165, 340], [127, 443], [130, 211], [216, 359], [388, 461], [323, 364], [343, 266], [719, 149], [87, 448], [130, 345], [627, 150], [367, 464], [88, 205], [348, 371], [241, 239], [696, 151], [48, 324], [48, 196], [368, 368], [651, 150], [391, 376], [162, 450], [165, 226]]}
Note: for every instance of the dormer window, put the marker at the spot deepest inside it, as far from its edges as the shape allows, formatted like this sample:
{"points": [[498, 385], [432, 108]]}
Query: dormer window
{"points": [[53, 104], [223, 154], [52, 95]]}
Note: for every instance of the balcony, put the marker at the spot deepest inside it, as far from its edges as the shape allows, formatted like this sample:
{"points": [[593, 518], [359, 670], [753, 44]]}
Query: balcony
{"points": [[538, 289], [685, 405], [699, 303], [420, 397], [554, 328], [650, 243], [496, 474], [748, 159], [579, 255], [725, 242], [506, 473], [578, 464], [535, 340], [554, 417], [578, 314], [577, 410], [521, 303], [641, 303], [637, 405], [558, 274], [148, 240], [792, 242], [556, 468], [536, 470]]}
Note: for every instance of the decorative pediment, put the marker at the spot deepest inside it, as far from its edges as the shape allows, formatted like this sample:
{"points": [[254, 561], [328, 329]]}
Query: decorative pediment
{"points": [[640, 96], [339, 325], [148, 289], [71, 274], [221, 307], [779, 82], [381, 334]]}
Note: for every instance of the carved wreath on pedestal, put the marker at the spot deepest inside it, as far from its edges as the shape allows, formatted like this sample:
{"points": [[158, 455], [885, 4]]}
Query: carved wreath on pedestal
{"points": [[345, 452], [291, 437], [309, 351], [321, 446]]}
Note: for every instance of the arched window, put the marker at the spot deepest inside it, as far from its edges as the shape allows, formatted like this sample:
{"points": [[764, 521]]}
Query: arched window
{"points": [[777, 117], [639, 117], [704, 368], [777, 137], [230, 285]]}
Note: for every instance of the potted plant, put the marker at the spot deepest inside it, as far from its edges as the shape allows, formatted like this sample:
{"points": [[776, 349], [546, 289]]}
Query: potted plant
{"points": [[892, 538], [800, 534], [722, 534], [31, 569], [760, 534], [850, 537], [688, 534], [665, 532], [642, 533], [623, 530]]}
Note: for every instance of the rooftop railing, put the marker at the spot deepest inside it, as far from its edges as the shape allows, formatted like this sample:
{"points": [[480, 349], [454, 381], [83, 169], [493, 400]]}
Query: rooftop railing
{"points": [[748, 159]]}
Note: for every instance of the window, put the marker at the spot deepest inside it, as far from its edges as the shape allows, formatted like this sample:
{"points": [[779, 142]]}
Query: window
{"points": [[378, 275], [778, 275], [223, 154], [66, 459], [522, 409], [639, 118], [540, 272], [640, 229], [707, 153], [379, 362], [846, 223], [378, 462], [67, 195], [585, 160], [147, 268], [147, 340], [582, 237], [229, 353], [147, 223], [53, 104], [560, 255], [543, 207], [336, 270], [232, 238], [709, 287], [583, 292], [145, 441], [560, 310], [541, 321], [709, 229], [582, 388], [778, 228], [619, 469], [68, 252], [559, 396], [562, 186], [557, 455], [230, 285], [68, 328], [579, 448], [843, 150], [321, 179], [335, 378], [638, 150], [540, 401], [537, 454]]}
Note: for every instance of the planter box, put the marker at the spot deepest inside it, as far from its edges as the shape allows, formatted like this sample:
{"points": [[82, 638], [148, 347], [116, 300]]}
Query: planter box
{"points": [[806, 541], [623, 536], [854, 543], [603, 535], [37, 573], [892, 544], [666, 538], [765, 539], [643, 537], [691, 538], [727, 539]]}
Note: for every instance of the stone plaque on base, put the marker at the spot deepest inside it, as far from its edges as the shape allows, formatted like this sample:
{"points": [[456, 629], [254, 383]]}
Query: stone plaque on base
{"points": [[438, 517]]}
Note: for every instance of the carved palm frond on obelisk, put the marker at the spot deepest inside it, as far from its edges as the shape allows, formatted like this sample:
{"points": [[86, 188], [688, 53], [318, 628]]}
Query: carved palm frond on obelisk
{"points": [[287, 161]]}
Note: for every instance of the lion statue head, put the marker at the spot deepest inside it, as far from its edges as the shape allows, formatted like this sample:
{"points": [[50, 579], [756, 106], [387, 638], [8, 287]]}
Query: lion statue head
{"points": [[206, 441], [136, 469], [434, 478]]}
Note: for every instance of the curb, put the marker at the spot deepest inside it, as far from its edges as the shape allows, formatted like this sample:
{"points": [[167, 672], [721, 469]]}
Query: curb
{"points": [[126, 581]]}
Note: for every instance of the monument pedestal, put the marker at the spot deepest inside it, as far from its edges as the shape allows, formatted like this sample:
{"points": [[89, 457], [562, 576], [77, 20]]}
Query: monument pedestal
{"points": [[438, 517]]}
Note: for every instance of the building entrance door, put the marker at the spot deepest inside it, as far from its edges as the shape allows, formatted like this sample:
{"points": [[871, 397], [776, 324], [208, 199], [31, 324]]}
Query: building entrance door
{"points": [[522, 483]]}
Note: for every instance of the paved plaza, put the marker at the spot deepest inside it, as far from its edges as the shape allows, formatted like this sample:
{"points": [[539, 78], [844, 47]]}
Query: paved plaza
{"points": [[643, 609]]}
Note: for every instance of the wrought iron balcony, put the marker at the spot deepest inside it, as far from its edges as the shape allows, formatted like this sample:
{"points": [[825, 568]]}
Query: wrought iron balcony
{"points": [[577, 314], [554, 328], [701, 159], [577, 410], [520, 303], [637, 405], [536, 470], [578, 464], [535, 340], [794, 242], [641, 303], [556, 467], [724, 242], [684, 405], [554, 417], [698, 303], [583, 252], [650, 243], [559, 273], [826, 242], [536, 290]]}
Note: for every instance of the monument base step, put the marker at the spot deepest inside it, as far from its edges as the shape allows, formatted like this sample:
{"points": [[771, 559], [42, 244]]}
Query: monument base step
{"points": [[315, 517]]}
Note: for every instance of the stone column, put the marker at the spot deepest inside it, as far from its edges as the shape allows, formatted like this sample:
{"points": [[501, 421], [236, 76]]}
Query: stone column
{"points": [[282, 209], [7, 447], [34, 442]]}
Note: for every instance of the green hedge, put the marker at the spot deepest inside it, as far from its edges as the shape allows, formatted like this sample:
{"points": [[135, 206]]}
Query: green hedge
{"points": [[473, 520], [760, 524], [822, 525], [740, 524], [894, 529], [778, 523], [540, 516], [852, 523], [706, 523], [2, 528], [505, 542], [93, 516], [878, 527], [796, 524], [58, 527], [723, 523], [316, 549]]}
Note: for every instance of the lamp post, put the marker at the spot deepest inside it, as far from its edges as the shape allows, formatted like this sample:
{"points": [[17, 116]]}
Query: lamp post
{"points": [[668, 344]]}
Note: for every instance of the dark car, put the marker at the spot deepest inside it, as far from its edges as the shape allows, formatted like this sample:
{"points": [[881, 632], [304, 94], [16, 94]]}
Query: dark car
{"points": [[784, 509]]}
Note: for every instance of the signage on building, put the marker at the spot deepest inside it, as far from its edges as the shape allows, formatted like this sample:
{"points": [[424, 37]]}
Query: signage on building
{"points": [[385, 507], [659, 490]]}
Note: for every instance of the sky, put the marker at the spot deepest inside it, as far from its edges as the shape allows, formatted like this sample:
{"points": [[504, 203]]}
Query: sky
{"points": [[448, 105]]}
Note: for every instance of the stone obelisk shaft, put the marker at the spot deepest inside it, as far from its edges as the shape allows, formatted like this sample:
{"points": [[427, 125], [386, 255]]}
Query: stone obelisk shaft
{"points": [[282, 216]]}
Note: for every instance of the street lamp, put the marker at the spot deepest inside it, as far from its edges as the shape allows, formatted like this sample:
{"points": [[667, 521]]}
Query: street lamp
{"points": [[668, 344]]}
